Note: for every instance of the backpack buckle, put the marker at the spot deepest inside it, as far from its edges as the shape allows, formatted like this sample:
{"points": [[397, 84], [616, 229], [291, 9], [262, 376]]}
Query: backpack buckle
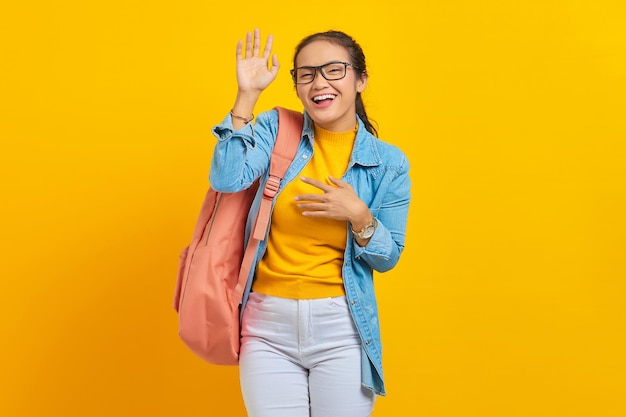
{"points": [[271, 187]]}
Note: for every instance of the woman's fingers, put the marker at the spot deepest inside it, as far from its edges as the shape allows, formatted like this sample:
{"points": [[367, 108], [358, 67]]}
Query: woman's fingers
{"points": [[257, 42], [339, 183], [311, 197], [253, 45], [317, 184], [248, 45], [239, 50], [275, 64], [268, 46]]}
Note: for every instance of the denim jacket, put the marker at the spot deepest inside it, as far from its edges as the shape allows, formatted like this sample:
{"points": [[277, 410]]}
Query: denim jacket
{"points": [[377, 171]]}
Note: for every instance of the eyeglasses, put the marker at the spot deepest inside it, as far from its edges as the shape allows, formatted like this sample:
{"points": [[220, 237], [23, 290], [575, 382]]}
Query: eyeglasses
{"points": [[332, 71]]}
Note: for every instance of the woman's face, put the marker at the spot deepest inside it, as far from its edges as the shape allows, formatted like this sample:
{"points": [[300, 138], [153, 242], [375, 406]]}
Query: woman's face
{"points": [[331, 104]]}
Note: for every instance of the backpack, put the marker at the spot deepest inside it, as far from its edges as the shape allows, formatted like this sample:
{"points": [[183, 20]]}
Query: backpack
{"points": [[213, 270]]}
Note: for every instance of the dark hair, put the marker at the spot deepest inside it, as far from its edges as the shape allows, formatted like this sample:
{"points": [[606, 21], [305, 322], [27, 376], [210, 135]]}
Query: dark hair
{"points": [[357, 58]]}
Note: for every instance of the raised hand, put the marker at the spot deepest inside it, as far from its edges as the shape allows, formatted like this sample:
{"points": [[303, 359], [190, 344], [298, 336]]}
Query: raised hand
{"points": [[253, 75]]}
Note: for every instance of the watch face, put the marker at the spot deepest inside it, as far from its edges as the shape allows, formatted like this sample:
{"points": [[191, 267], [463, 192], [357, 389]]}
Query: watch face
{"points": [[368, 232]]}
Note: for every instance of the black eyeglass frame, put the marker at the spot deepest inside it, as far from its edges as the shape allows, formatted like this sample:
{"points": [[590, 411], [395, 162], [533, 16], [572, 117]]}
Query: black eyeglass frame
{"points": [[319, 69]]}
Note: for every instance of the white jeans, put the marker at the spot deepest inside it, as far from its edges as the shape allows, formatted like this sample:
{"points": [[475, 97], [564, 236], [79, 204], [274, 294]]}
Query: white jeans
{"points": [[301, 358]]}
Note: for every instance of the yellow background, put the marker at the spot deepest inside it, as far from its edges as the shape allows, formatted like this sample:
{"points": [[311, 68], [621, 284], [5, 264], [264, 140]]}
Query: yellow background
{"points": [[509, 300]]}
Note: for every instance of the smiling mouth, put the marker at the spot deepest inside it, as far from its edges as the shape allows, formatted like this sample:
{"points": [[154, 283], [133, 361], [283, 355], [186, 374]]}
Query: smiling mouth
{"points": [[324, 97], [324, 100]]}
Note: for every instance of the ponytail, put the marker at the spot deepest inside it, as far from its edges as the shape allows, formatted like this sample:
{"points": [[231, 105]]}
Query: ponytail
{"points": [[360, 111]]}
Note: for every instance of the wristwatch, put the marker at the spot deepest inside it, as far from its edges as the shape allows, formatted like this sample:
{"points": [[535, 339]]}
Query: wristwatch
{"points": [[367, 231]]}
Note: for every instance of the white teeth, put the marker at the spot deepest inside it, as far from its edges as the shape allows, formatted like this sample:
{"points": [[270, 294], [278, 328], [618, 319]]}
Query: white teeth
{"points": [[323, 97]]}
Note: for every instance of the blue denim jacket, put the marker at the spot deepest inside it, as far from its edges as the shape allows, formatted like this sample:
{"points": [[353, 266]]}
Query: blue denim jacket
{"points": [[377, 171]]}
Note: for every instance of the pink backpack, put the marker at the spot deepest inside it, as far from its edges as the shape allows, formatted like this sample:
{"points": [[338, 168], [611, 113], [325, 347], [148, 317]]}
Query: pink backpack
{"points": [[214, 268]]}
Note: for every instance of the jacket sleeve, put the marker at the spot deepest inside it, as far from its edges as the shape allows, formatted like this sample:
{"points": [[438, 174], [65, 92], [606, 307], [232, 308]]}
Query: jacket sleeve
{"points": [[383, 250], [241, 156]]}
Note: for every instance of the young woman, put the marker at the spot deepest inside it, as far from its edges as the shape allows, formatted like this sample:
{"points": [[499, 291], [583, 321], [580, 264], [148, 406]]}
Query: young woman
{"points": [[310, 334]]}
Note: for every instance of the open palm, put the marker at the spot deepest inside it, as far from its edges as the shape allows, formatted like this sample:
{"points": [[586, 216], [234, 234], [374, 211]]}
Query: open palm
{"points": [[252, 68]]}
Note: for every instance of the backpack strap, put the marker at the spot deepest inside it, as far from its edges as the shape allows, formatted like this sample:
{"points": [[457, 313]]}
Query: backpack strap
{"points": [[290, 125], [289, 128]]}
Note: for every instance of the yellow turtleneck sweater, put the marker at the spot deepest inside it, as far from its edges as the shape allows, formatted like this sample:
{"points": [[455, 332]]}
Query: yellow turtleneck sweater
{"points": [[304, 255]]}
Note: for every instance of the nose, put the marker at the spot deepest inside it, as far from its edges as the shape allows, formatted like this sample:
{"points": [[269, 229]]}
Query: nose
{"points": [[319, 81]]}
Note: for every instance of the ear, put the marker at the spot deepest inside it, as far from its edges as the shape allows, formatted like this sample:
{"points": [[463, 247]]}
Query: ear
{"points": [[361, 83]]}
